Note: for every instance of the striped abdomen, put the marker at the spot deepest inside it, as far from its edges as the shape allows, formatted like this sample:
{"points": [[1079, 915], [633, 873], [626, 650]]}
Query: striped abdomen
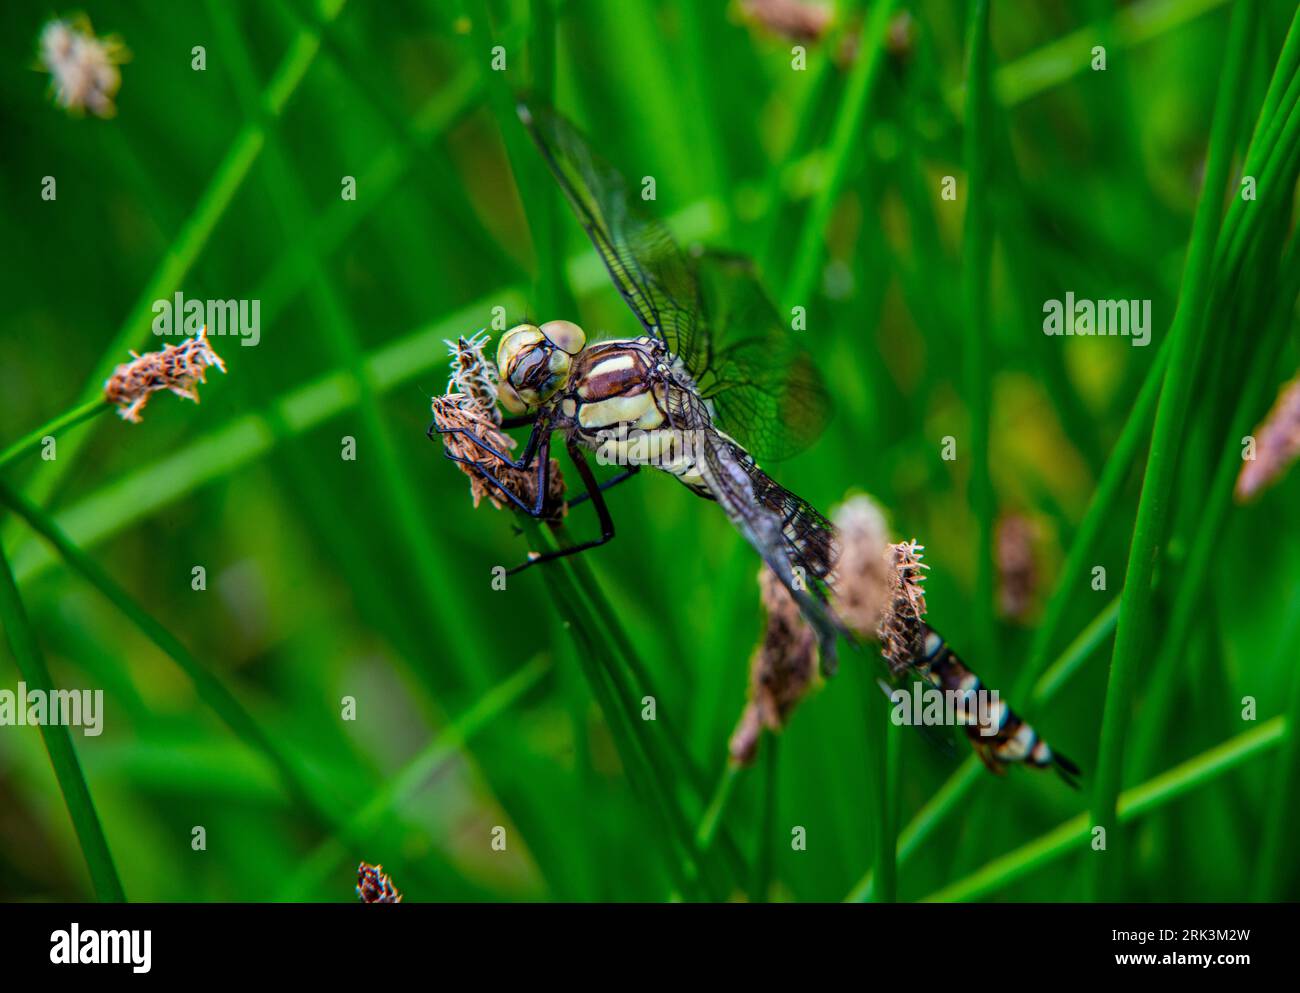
{"points": [[1012, 739]]}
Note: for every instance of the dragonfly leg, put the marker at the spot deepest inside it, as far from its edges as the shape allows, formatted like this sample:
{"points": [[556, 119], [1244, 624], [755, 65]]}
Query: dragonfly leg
{"points": [[606, 485], [518, 422], [602, 512], [543, 479], [541, 430]]}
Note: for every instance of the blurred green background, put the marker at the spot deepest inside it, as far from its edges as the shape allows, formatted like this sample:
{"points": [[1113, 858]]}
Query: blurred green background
{"points": [[521, 708]]}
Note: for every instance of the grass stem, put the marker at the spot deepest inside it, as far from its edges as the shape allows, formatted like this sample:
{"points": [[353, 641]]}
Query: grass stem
{"points": [[58, 744], [50, 429], [1171, 424]]}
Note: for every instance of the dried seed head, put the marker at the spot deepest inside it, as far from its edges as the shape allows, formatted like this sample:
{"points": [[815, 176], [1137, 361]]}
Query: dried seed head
{"points": [[1017, 572], [457, 411], [1277, 444], [178, 368], [861, 581], [474, 374], [374, 886], [797, 20], [902, 629], [900, 42], [900, 39], [781, 671], [83, 68]]}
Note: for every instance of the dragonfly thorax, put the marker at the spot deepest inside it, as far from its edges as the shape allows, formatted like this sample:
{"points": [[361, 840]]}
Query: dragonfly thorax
{"points": [[534, 362]]}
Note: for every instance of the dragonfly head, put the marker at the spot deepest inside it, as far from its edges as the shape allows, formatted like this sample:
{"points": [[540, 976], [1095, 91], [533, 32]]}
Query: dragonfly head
{"points": [[534, 362]]}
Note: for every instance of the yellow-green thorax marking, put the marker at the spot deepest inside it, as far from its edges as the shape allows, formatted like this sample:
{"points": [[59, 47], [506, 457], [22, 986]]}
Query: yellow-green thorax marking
{"points": [[610, 396]]}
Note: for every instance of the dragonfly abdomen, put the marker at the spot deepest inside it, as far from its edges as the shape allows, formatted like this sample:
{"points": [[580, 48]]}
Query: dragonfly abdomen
{"points": [[1000, 737]]}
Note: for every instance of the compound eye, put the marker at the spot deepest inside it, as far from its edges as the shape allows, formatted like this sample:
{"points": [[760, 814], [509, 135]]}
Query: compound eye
{"points": [[510, 400], [531, 367], [565, 335], [513, 342]]}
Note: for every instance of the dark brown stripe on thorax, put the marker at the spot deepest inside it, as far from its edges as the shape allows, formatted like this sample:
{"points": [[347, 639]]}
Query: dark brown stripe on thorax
{"points": [[612, 369]]}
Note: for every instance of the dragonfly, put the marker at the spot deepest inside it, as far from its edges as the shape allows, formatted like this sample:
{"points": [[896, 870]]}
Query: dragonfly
{"points": [[715, 382]]}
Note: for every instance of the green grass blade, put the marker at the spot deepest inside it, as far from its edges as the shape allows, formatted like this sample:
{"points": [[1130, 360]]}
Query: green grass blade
{"points": [[619, 705], [665, 738], [845, 139], [1101, 509], [977, 263], [445, 601], [1073, 835], [193, 237], [712, 819], [445, 746], [1171, 423], [1282, 814], [210, 690], [884, 764], [950, 797], [51, 428], [1053, 64], [58, 744]]}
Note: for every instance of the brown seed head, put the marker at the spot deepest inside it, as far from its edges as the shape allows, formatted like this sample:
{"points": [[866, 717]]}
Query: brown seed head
{"points": [[83, 68], [1017, 572], [374, 886], [796, 20], [902, 628], [861, 581], [1277, 444], [455, 410], [178, 368], [781, 670], [474, 374]]}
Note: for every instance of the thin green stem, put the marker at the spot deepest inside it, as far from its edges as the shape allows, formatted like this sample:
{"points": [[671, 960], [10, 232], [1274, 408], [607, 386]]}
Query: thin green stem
{"points": [[712, 818], [242, 152], [1171, 423], [884, 749], [761, 883], [635, 679], [617, 705], [210, 690], [1076, 653], [1282, 816], [952, 794], [1212, 512], [845, 139], [58, 744], [51, 428], [977, 260], [426, 764], [1052, 64], [1073, 835], [1101, 509], [415, 527]]}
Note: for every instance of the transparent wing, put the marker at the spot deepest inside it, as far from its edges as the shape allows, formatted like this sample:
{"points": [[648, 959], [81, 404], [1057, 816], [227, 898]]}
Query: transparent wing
{"points": [[708, 308], [775, 520], [797, 543], [651, 272], [760, 376]]}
